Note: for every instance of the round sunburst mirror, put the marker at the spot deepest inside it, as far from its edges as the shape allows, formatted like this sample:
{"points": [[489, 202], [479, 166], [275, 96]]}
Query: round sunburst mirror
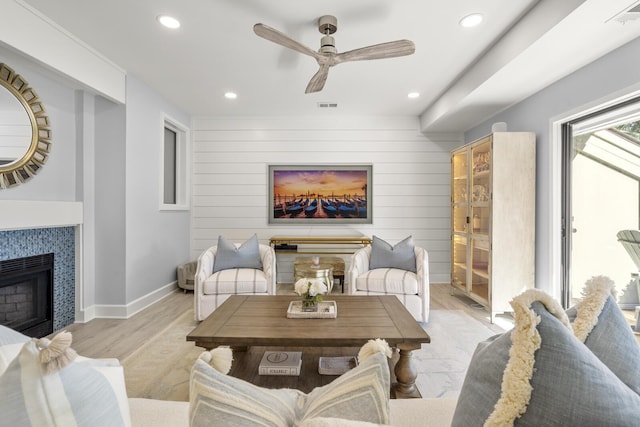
{"points": [[25, 136]]}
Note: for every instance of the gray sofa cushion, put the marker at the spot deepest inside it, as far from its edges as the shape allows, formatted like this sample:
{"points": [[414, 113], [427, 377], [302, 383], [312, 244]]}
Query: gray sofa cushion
{"points": [[541, 374], [228, 256], [401, 256]]}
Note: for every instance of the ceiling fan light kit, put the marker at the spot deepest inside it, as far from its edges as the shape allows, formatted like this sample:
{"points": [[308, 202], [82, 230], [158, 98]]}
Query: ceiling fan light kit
{"points": [[327, 56]]}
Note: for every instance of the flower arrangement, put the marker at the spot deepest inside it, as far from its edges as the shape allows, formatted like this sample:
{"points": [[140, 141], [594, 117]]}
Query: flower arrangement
{"points": [[311, 291]]}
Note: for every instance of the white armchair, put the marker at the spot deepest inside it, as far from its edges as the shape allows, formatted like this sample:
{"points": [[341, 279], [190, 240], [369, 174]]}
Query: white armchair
{"points": [[212, 289], [412, 289]]}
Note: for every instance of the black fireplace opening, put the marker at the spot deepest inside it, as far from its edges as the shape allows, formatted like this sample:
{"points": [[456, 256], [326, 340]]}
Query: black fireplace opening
{"points": [[26, 294]]}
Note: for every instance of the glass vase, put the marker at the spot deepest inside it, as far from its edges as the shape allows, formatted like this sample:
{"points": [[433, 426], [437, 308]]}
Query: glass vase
{"points": [[309, 304]]}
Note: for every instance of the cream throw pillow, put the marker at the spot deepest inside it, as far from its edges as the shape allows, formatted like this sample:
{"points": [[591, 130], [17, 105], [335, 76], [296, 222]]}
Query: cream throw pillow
{"points": [[362, 394]]}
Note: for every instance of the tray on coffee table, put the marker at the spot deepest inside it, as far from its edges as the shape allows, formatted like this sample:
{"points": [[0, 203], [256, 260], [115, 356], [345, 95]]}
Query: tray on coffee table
{"points": [[326, 310]]}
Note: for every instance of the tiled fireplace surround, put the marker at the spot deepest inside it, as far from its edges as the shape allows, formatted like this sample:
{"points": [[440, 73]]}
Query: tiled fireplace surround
{"points": [[37, 241], [29, 227]]}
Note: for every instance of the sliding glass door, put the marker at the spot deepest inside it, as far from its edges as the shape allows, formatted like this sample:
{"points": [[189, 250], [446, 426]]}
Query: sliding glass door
{"points": [[601, 198]]}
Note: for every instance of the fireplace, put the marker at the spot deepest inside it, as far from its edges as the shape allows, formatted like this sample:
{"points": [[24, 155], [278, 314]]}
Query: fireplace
{"points": [[26, 294]]}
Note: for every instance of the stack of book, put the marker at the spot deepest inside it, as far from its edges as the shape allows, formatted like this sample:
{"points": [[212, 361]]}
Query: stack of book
{"points": [[281, 363]]}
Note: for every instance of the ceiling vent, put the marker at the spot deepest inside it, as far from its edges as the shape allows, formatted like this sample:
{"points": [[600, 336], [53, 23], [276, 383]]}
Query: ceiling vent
{"points": [[327, 105], [630, 13]]}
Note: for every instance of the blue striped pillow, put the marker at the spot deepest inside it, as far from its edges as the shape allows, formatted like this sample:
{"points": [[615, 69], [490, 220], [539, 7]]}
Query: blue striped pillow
{"points": [[87, 392]]}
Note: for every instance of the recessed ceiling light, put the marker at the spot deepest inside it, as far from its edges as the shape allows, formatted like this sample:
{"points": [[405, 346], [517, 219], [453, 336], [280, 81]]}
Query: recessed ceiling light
{"points": [[169, 21], [230, 95], [413, 95], [471, 20]]}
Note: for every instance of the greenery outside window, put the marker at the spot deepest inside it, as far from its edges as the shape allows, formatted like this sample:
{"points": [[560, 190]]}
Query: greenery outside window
{"points": [[174, 168]]}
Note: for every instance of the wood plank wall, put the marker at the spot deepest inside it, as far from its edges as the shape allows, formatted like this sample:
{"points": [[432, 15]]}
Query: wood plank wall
{"points": [[411, 179]]}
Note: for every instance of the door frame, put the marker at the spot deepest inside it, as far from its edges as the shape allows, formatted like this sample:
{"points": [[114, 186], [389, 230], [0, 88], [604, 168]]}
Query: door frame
{"points": [[560, 203]]}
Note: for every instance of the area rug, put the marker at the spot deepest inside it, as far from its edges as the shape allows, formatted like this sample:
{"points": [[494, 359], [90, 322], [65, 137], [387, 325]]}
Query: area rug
{"points": [[160, 368], [442, 364]]}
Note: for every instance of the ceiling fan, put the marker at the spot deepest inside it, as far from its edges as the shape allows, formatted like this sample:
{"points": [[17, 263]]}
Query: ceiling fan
{"points": [[328, 56]]}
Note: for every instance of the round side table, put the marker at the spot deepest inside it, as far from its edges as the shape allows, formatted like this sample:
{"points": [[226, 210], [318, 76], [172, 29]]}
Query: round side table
{"points": [[320, 271]]}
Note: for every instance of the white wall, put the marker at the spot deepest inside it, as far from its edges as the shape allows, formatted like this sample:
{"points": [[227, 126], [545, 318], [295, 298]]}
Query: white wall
{"points": [[156, 241], [610, 77], [109, 189], [410, 178], [107, 155]]}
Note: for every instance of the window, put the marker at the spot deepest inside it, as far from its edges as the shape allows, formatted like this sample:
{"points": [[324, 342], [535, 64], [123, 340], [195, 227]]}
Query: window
{"points": [[174, 185]]}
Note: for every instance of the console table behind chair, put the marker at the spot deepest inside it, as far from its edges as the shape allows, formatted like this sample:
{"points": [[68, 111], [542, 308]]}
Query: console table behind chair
{"points": [[347, 245], [321, 245]]}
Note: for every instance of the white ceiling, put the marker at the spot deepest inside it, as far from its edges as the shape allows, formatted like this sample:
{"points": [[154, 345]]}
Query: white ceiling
{"points": [[463, 75]]}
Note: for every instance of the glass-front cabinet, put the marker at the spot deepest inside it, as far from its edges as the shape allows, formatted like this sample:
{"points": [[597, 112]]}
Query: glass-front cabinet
{"points": [[492, 218]]}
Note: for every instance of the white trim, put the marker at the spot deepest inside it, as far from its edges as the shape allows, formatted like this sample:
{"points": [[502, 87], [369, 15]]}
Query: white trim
{"points": [[134, 307], [26, 214], [79, 273], [27, 30], [183, 166], [554, 253]]}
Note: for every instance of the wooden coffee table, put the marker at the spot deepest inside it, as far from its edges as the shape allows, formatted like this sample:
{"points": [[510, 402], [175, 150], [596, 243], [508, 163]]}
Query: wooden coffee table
{"points": [[259, 321]]}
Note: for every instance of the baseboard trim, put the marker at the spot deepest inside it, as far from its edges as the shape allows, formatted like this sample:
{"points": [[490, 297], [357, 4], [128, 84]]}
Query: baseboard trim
{"points": [[128, 310]]}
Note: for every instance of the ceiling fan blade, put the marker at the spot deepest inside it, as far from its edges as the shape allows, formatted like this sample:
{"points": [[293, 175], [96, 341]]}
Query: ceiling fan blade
{"points": [[377, 51], [282, 39], [318, 80]]}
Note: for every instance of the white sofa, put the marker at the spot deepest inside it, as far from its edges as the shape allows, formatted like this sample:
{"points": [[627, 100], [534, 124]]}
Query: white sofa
{"points": [[212, 289], [81, 388], [426, 412], [392, 281]]}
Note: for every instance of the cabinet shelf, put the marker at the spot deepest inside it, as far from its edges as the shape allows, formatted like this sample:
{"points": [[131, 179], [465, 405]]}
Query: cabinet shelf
{"points": [[460, 265], [482, 174], [481, 272]]}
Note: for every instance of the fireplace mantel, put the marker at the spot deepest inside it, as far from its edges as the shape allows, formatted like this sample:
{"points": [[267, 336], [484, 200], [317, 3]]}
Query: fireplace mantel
{"points": [[25, 214]]}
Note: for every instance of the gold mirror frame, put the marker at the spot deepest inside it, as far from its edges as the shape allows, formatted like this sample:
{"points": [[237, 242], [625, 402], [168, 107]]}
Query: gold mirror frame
{"points": [[25, 168]]}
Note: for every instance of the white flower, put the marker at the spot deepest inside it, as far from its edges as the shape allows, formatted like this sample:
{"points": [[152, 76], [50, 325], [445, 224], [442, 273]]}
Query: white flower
{"points": [[317, 287], [311, 287], [302, 286]]}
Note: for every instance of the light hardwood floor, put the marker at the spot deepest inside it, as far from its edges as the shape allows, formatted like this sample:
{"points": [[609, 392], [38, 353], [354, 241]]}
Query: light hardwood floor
{"points": [[118, 338]]}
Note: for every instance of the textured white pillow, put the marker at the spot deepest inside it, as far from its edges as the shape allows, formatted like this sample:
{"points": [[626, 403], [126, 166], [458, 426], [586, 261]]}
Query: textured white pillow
{"points": [[362, 394], [87, 392], [336, 422], [11, 343]]}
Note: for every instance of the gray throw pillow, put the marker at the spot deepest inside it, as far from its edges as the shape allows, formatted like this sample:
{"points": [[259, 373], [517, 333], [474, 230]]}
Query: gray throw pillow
{"points": [[540, 374], [229, 256], [599, 323], [401, 256]]}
